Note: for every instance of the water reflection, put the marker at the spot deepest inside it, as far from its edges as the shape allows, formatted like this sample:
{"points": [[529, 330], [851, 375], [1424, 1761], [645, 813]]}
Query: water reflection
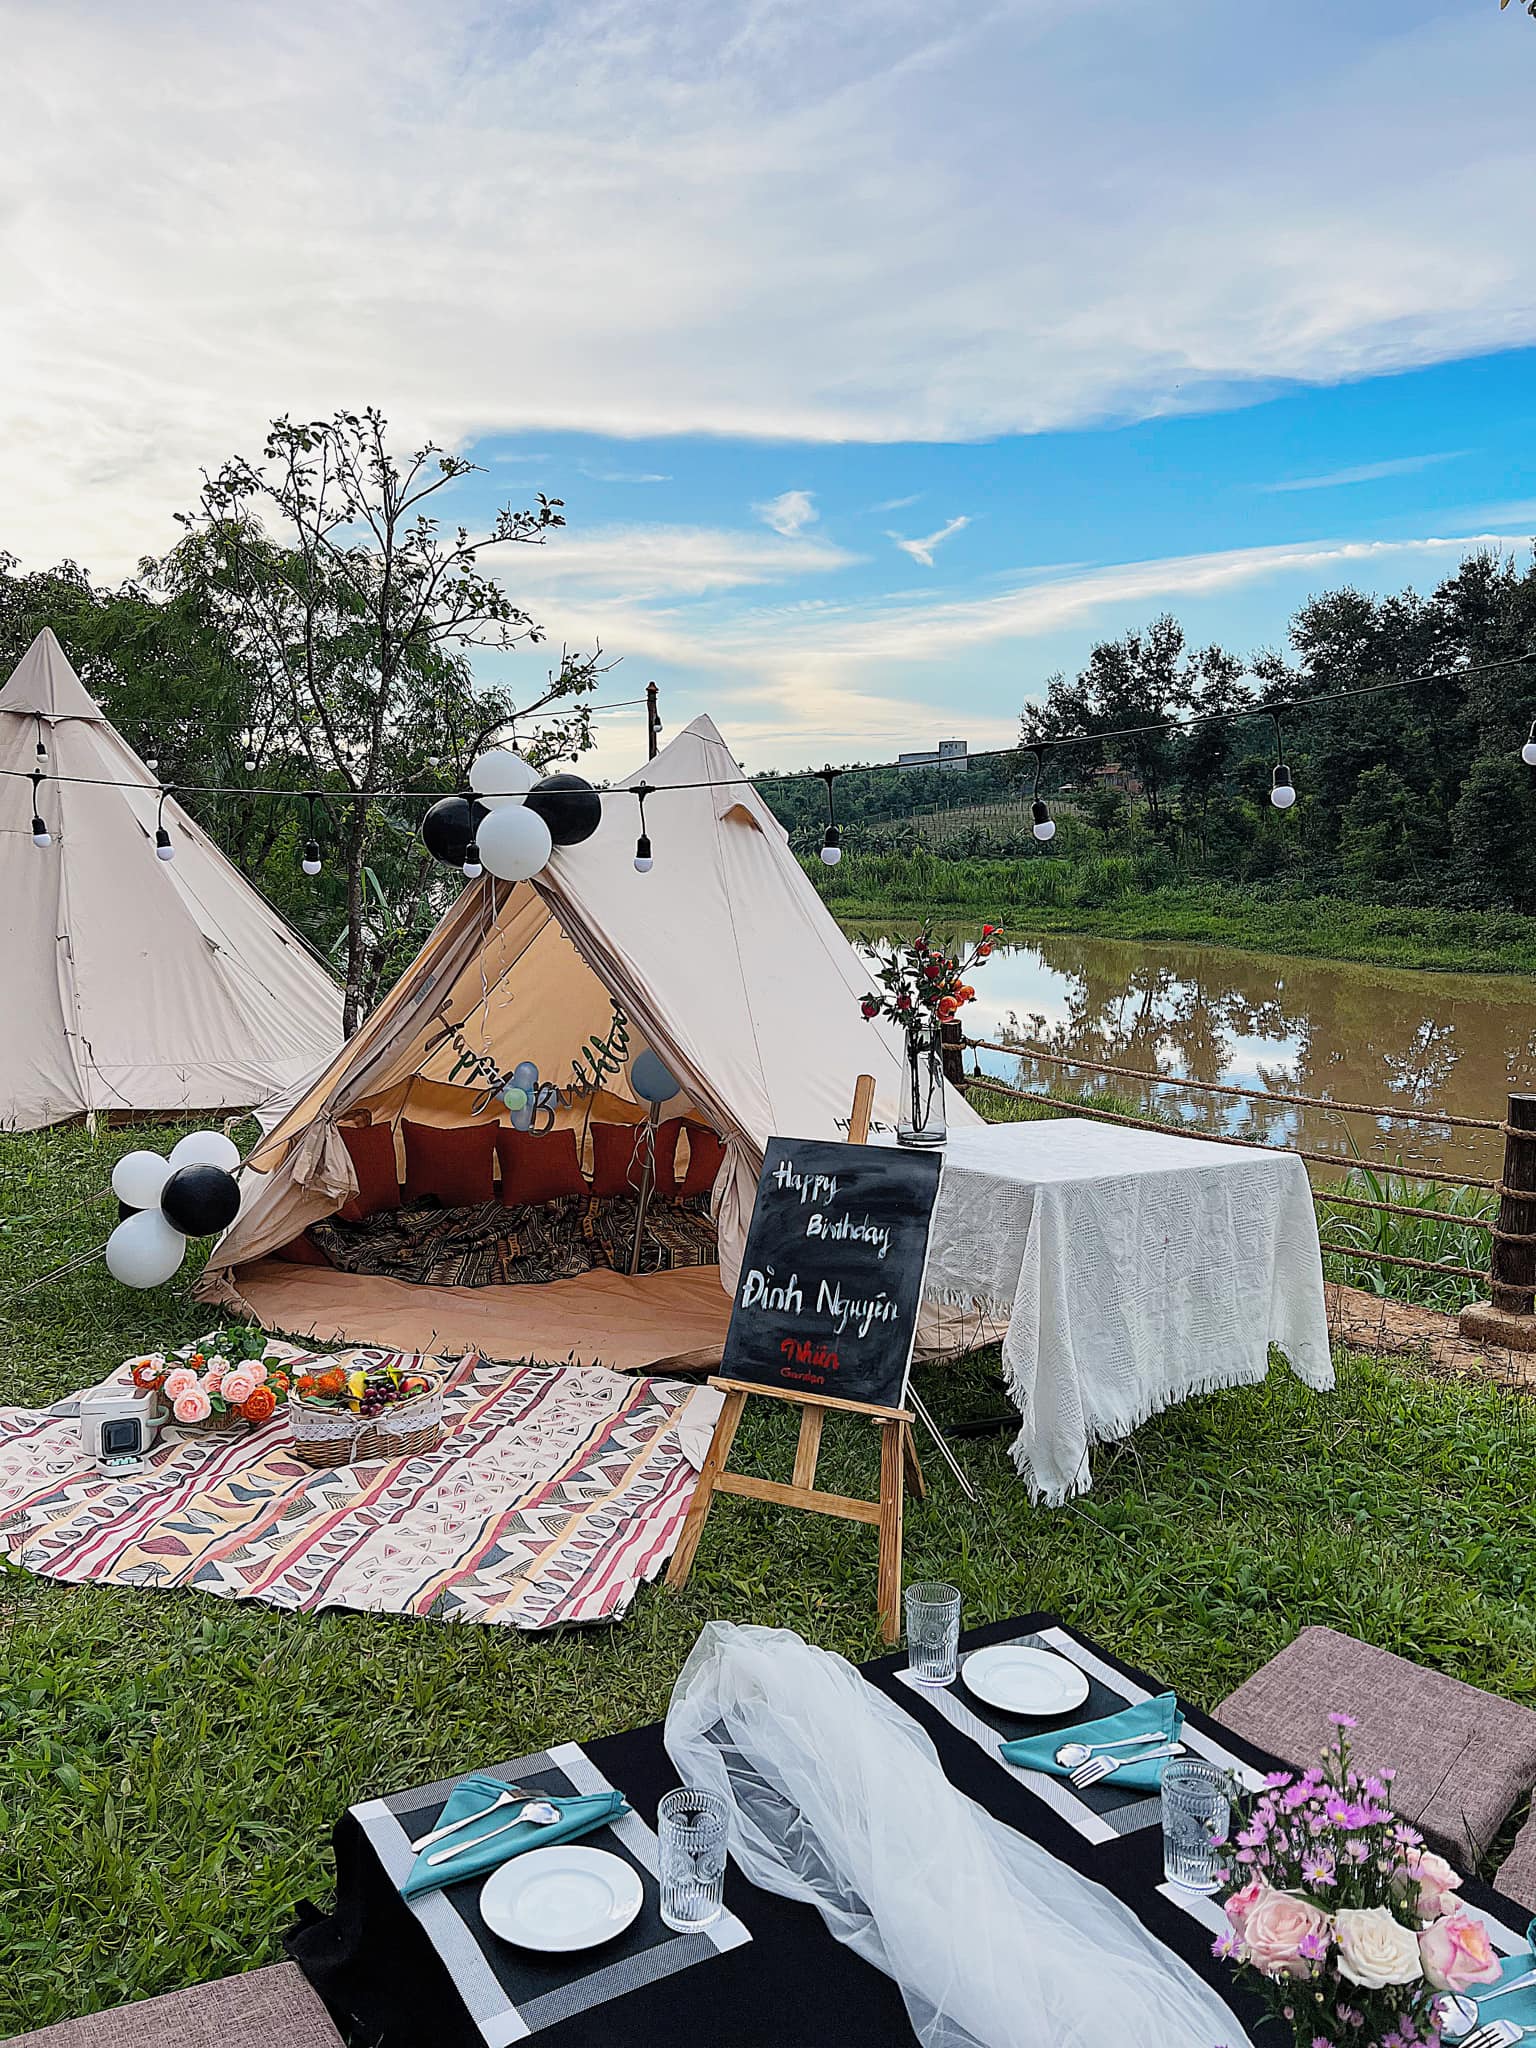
{"points": [[1341, 1032]]}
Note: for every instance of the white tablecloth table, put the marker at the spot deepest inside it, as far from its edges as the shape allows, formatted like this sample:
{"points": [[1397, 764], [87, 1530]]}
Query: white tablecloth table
{"points": [[1135, 1269]]}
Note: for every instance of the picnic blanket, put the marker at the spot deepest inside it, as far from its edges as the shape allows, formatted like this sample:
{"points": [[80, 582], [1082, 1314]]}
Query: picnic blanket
{"points": [[557, 1491], [490, 1244]]}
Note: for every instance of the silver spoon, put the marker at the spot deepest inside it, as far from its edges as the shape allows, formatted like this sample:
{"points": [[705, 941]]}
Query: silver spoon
{"points": [[1071, 1754], [1458, 2014], [538, 1811]]}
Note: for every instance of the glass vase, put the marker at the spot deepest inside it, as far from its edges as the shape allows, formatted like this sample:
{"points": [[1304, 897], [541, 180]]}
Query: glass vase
{"points": [[921, 1120]]}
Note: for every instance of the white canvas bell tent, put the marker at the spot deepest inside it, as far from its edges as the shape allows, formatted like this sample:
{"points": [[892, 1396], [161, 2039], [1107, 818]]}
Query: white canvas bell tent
{"points": [[722, 958], [133, 984]]}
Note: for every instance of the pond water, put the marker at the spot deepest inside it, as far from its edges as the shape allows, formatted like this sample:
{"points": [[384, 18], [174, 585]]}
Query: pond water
{"points": [[1332, 1029]]}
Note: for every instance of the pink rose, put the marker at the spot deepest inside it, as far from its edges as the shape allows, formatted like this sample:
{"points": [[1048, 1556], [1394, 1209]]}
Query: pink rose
{"points": [[1278, 1930], [192, 1404], [1457, 1953], [1437, 1882], [1242, 1903], [213, 1378], [178, 1382], [238, 1386], [257, 1368]]}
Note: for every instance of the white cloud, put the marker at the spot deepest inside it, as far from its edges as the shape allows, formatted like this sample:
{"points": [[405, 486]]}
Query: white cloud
{"points": [[789, 511], [897, 504], [891, 219], [626, 563], [922, 550], [626, 476], [776, 672], [1366, 472]]}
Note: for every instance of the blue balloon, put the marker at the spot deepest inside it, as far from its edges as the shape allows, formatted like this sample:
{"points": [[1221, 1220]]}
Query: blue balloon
{"points": [[522, 1119], [526, 1075], [650, 1079], [514, 1097]]}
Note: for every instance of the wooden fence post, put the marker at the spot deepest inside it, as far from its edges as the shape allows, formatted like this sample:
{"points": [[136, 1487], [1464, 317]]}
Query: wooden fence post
{"points": [[1507, 1316], [952, 1050]]}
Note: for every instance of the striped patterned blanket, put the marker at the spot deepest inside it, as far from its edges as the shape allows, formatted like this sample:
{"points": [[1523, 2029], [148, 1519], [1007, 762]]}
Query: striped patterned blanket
{"points": [[489, 1245], [557, 1491]]}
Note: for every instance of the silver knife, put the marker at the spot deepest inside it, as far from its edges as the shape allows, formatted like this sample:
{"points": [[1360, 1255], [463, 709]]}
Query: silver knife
{"points": [[546, 1819], [441, 1834]]}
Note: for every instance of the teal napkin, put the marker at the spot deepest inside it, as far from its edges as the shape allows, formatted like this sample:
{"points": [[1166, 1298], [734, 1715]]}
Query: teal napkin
{"points": [[579, 1815], [1038, 1752], [1519, 2006]]}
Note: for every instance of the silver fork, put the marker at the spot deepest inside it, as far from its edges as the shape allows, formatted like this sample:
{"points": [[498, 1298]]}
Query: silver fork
{"points": [[1098, 1768], [1494, 2034]]}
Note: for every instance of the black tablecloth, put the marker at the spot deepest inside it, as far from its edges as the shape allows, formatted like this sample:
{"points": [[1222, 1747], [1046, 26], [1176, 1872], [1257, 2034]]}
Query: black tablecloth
{"points": [[792, 1985]]}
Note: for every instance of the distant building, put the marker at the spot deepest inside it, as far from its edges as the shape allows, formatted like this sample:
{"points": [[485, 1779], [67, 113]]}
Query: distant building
{"points": [[1113, 775], [949, 754]]}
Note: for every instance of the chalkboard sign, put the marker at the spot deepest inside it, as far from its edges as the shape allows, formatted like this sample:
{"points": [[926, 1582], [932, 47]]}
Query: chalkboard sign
{"points": [[832, 1274]]}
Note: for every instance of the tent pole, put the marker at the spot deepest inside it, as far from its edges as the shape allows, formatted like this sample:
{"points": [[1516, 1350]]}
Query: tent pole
{"points": [[647, 1183]]}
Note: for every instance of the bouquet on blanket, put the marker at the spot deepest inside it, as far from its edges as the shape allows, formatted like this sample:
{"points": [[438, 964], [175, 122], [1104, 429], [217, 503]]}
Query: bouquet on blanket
{"points": [[231, 1376], [1349, 1924]]}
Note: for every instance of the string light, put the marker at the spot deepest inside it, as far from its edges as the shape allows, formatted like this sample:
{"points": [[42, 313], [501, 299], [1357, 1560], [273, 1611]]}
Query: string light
{"points": [[311, 861], [1528, 751], [1282, 791], [644, 861], [1044, 826], [832, 838], [472, 868], [41, 836], [163, 847], [42, 748]]}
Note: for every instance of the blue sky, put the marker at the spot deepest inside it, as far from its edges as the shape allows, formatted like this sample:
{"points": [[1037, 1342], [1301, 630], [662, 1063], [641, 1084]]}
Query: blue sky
{"points": [[950, 334]]}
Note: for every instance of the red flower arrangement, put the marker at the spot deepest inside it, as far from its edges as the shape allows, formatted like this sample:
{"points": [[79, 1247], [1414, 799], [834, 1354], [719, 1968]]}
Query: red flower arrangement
{"points": [[919, 978]]}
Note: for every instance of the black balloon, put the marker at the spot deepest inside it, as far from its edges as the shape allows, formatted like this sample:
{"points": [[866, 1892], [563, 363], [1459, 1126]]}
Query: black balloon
{"points": [[448, 828], [571, 808], [200, 1200]]}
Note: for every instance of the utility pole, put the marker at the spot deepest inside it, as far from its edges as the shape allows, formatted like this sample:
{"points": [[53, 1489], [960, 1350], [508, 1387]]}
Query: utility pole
{"points": [[652, 721]]}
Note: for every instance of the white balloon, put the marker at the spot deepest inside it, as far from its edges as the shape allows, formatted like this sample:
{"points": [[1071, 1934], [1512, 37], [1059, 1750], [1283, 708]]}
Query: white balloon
{"points": [[514, 843], [501, 777], [138, 1178], [144, 1251], [205, 1148]]}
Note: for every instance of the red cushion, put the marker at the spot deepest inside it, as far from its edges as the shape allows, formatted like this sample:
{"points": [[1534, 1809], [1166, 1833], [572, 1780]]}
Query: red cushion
{"points": [[618, 1158], [301, 1251], [705, 1152], [538, 1166], [456, 1166], [372, 1147]]}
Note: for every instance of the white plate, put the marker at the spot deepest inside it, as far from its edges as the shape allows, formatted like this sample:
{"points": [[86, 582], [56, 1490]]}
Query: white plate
{"points": [[561, 1898], [1025, 1681]]}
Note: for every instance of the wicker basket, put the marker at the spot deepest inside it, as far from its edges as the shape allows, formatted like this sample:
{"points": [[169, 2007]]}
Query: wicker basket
{"points": [[334, 1436]]}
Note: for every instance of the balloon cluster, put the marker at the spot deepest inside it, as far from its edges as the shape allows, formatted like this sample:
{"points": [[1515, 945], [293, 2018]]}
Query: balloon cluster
{"points": [[527, 1097], [194, 1193], [512, 820]]}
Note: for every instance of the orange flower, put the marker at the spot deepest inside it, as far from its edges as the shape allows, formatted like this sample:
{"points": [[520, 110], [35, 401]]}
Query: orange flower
{"points": [[146, 1375], [278, 1382], [966, 993], [983, 951], [258, 1406], [947, 1007]]}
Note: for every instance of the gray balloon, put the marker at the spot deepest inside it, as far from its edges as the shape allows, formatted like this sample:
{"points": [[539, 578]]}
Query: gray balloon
{"points": [[650, 1079]]}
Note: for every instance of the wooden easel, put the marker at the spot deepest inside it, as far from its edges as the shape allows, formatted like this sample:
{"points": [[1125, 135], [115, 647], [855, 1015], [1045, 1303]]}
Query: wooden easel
{"points": [[899, 1467]]}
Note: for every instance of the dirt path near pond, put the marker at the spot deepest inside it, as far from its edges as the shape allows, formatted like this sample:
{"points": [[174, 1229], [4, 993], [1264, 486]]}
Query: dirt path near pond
{"points": [[1367, 1323]]}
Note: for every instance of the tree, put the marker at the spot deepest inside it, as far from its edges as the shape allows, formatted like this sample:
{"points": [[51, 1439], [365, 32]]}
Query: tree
{"points": [[350, 611]]}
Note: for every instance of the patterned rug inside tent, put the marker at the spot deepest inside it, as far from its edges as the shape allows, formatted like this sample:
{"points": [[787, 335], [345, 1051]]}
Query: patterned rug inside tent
{"points": [[556, 1492]]}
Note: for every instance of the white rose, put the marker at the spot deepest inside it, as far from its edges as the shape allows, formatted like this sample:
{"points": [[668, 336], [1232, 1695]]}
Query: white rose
{"points": [[1375, 1948]]}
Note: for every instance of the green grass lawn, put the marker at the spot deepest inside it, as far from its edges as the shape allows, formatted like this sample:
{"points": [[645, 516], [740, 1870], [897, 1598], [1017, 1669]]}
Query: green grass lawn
{"points": [[174, 1763]]}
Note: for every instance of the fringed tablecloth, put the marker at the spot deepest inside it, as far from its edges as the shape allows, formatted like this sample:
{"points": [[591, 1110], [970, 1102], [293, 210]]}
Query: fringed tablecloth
{"points": [[1135, 1269]]}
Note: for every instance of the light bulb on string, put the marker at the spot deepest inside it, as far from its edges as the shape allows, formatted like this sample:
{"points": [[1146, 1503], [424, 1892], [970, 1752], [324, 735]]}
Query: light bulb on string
{"points": [[1528, 751], [644, 860], [1044, 825], [42, 744], [472, 868], [1282, 791], [163, 847], [311, 860], [832, 838], [41, 836]]}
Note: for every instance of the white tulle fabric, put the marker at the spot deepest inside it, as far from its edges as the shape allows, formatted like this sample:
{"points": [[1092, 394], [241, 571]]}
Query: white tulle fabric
{"points": [[837, 1799]]}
